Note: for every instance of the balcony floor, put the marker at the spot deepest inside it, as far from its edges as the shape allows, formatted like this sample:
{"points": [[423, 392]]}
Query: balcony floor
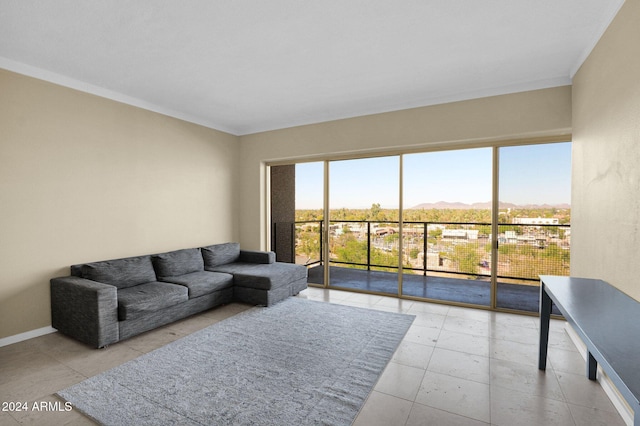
{"points": [[477, 292]]}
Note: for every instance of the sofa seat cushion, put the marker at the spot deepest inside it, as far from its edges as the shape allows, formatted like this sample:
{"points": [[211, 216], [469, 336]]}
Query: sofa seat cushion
{"points": [[136, 301], [176, 263], [263, 276], [203, 282], [121, 273]]}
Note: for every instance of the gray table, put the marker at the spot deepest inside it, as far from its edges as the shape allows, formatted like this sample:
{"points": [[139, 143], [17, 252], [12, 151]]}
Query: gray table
{"points": [[607, 321]]}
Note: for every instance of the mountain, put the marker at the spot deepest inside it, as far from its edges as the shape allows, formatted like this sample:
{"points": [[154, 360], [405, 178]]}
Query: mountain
{"points": [[442, 205]]}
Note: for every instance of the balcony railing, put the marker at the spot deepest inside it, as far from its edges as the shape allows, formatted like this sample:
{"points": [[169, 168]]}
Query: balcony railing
{"points": [[524, 250]]}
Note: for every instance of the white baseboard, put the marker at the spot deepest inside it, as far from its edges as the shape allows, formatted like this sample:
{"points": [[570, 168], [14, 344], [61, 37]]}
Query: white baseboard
{"points": [[607, 385], [6, 341]]}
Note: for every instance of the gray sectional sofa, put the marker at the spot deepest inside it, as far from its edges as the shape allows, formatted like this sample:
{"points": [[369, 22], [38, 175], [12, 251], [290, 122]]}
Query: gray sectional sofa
{"points": [[101, 303]]}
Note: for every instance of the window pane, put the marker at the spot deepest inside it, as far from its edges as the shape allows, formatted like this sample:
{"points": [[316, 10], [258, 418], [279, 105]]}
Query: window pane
{"points": [[309, 218], [535, 216], [447, 217], [363, 199]]}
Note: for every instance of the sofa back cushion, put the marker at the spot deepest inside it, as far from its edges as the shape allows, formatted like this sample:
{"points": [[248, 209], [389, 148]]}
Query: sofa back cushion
{"points": [[220, 254], [179, 262], [121, 273]]}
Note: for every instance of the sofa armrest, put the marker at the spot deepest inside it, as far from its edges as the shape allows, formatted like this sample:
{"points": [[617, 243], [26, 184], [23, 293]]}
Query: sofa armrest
{"points": [[85, 310], [255, 256]]}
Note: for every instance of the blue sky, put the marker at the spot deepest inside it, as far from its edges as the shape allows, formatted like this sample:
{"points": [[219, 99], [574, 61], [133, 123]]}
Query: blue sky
{"points": [[533, 174]]}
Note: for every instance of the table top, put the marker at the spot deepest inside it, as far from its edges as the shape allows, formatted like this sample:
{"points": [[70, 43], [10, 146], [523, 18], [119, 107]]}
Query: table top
{"points": [[607, 318]]}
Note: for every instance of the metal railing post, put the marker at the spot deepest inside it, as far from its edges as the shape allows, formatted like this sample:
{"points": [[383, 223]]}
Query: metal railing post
{"points": [[424, 249], [368, 246], [321, 241], [293, 242]]}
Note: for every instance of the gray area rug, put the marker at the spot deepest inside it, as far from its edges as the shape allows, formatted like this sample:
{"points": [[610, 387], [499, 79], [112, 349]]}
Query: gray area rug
{"points": [[297, 362]]}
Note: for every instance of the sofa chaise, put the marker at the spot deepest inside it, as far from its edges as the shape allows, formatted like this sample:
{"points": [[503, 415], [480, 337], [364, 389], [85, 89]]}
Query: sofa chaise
{"points": [[101, 303]]}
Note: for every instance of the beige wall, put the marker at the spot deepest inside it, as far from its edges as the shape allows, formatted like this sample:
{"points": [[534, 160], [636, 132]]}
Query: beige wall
{"points": [[521, 115], [606, 157], [83, 178]]}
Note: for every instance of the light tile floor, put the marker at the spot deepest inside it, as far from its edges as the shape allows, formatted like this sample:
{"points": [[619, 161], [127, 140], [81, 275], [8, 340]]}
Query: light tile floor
{"points": [[455, 366]]}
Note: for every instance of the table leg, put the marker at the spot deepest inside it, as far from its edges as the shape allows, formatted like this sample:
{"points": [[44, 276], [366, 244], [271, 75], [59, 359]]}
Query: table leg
{"points": [[545, 315], [592, 366]]}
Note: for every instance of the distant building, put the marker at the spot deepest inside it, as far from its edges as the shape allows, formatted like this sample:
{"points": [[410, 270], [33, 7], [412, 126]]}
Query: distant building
{"points": [[510, 237], [387, 230], [434, 260], [536, 221], [460, 234]]}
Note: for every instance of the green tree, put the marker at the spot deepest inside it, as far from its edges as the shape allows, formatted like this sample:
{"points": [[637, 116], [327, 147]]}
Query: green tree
{"points": [[375, 212], [413, 253], [466, 258], [348, 249]]}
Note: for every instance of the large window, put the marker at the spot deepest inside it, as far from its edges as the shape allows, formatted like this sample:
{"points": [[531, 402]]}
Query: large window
{"points": [[468, 226]]}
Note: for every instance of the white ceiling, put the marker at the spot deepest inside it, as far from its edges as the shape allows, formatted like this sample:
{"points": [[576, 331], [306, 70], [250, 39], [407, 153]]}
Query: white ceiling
{"points": [[245, 66]]}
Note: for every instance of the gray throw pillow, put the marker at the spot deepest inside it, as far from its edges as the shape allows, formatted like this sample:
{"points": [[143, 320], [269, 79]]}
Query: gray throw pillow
{"points": [[179, 262], [121, 273], [220, 254]]}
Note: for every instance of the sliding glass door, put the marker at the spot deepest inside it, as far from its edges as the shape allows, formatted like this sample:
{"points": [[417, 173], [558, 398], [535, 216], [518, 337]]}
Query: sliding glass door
{"points": [[470, 226], [447, 224], [363, 224], [534, 222]]}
